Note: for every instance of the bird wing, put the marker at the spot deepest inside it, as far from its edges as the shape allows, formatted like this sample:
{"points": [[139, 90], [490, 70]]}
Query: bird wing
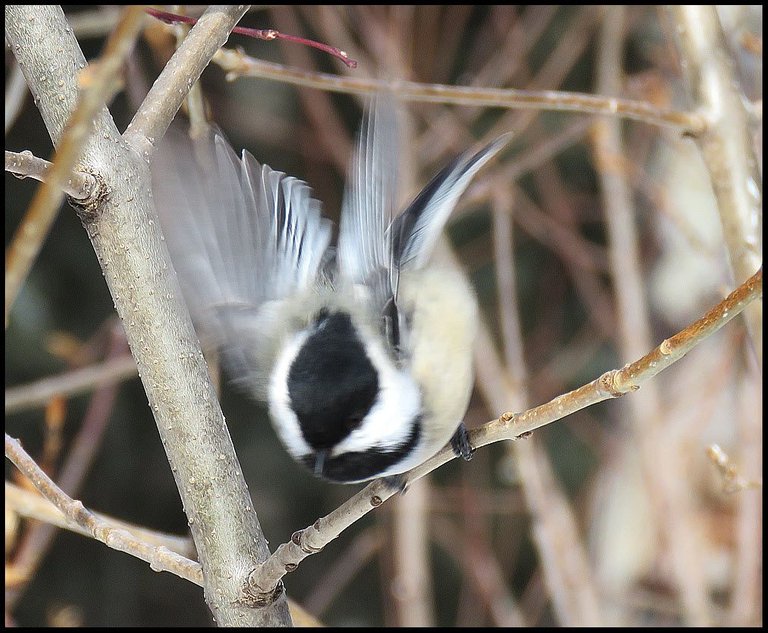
{"points": [[375, 245], [242, 238]]}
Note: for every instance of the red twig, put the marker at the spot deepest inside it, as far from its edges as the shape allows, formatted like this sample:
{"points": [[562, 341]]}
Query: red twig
{"points": [[261, 34]]}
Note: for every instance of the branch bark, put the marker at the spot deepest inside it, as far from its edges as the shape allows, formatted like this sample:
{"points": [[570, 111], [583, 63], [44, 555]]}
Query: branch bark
{"points": [[725, 144], [124, 231]]}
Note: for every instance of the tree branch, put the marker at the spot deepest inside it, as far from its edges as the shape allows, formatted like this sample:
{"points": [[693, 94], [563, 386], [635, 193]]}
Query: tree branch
{"points": [[124, 230], [179, 75], [116, 537], [237, 64], [725, 144], [79, 185]]}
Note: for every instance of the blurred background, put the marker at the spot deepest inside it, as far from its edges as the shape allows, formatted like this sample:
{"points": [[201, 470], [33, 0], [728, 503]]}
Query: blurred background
{"points": [[588, 242]]}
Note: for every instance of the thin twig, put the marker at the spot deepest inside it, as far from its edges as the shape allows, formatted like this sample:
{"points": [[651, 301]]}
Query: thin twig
{"points": [[261, 34], [237, 65], [79, 458], [34, 506], [509, 426], [80, 185], [160, 558], [70, 383], [618, 382]]}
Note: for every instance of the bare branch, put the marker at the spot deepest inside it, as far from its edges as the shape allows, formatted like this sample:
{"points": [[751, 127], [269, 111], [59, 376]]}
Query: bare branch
{"points": [[179, 75], [79, 458], [79, 186], [261, 34], [728, 153], [34, 506], [237, 64], [160, 558], [70, 383]]}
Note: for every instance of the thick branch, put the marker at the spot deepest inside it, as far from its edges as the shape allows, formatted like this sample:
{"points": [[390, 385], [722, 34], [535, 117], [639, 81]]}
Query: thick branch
{"points": [[125, 234]]}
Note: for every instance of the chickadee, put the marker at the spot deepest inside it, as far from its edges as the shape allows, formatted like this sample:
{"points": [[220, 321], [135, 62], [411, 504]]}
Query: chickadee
{"points": [[363, 352]]}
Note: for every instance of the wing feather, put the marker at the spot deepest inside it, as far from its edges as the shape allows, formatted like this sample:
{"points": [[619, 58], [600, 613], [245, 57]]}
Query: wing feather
{"points": [[241, 236]]}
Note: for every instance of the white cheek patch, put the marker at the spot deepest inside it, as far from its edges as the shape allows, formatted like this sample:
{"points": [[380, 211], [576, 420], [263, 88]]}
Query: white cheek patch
{"points": [[283, 418], [388, 424], [390, 421]]}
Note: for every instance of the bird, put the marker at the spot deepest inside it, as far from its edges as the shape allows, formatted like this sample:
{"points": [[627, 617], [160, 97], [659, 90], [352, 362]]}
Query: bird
{"points": [[362, 349]]}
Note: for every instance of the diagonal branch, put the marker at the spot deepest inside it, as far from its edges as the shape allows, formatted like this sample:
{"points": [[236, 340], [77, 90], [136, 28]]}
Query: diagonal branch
{"points": [[160, 558], [179, 75]]}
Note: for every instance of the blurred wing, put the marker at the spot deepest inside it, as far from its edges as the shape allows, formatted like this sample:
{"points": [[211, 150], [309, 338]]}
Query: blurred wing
{"points": [[369, 201], [414, 232], [412, 235], [241, 235], [374, 247]]}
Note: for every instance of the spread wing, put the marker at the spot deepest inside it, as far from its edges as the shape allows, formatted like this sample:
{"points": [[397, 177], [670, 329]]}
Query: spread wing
{"points": [[374, 245], [413, 234], [242, 237]]}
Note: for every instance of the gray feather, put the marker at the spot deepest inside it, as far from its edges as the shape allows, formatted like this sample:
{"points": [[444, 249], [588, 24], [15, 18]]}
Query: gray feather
{"points": [[369, 203], [241, 236], [414, 233]]}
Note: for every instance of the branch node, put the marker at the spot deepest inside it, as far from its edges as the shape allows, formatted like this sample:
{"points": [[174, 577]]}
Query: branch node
{"points": [[253, 596], [88, 209], [609, 383], [665, 347], [297, 538]]}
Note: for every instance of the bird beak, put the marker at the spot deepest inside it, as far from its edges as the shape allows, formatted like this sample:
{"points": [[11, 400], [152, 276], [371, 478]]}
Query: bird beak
{"points": [[320, 461]]}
